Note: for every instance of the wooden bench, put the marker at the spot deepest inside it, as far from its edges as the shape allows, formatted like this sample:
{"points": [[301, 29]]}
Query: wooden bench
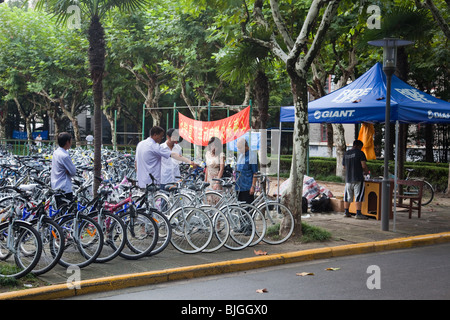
{"points": [[414, 195]]}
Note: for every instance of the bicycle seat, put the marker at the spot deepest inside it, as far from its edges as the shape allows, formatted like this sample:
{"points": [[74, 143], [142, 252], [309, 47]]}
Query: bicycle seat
{"points": [[105, 192], [171, 188], [152, 188]]}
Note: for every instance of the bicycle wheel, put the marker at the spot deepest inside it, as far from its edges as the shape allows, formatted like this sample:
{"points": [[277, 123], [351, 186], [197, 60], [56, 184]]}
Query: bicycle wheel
{"points": [[114, 235], [211, 198], [164, 231], [141, 234], [52, 245], [260, 223], [24, 246], [7, 202], [191, 229], [427, 193], [83, 241], [221, 228], [279, 222], [242, 227], [167, 205]]}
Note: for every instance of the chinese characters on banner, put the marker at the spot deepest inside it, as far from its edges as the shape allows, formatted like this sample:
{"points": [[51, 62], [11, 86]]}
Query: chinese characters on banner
{"points": [[228, 129]]}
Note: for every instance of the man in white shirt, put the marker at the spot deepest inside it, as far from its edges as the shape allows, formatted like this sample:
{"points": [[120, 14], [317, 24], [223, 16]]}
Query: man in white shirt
{"points": [[170, 167], [38, 140], [90, 139], [148, 157], [63, 168]]}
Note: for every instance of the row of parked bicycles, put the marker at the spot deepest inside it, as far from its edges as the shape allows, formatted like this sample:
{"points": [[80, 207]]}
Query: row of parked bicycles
{"points": [[122, 220]]}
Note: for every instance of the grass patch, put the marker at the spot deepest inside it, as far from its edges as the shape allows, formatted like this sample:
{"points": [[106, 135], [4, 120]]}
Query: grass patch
{"points": [[329, 178], [314, 234], [13, 284]]}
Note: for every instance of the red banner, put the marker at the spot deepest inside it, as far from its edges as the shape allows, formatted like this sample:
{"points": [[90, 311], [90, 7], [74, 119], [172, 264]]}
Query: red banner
{"points": [[228, 129]]}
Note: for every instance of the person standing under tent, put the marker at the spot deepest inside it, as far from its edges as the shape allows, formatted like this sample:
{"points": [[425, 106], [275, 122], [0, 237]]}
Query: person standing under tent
{"points": [[355, 166]]}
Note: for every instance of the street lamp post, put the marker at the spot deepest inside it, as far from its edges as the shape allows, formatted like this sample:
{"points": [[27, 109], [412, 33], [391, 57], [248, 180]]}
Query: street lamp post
{"points": [[389, 64]]}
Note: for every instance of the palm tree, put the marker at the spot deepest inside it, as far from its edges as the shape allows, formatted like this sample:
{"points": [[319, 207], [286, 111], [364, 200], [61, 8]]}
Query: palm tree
{"points": [[246, 63], [93, 11]]}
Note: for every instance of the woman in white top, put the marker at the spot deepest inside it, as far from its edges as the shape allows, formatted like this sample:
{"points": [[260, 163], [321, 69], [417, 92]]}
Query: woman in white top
{"points": [[215, 162]]}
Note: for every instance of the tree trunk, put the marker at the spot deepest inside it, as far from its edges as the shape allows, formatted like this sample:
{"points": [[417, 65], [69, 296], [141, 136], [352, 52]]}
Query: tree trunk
{"points": [[261, 94], [97, 66], [261, 91], [341, 147], [294, 192]]}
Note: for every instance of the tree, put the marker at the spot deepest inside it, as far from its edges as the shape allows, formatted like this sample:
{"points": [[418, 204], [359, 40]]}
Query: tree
{"points": [[297, 48], [94, 11]]}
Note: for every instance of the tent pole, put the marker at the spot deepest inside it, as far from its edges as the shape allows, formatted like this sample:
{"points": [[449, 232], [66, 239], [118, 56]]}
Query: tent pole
{"points": [[395, 173], [278, 166], [385, 205]]}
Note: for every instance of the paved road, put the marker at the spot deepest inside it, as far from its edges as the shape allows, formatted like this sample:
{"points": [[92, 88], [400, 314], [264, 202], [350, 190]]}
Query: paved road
{"points": [[419, 273]]}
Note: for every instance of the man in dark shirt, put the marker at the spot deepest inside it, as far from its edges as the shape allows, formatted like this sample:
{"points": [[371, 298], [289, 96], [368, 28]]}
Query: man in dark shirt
{"points": [[355, 166]]}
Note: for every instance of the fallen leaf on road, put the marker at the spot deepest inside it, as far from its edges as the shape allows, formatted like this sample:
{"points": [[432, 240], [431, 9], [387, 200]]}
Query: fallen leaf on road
{"points": [[262, 290], [260, 253], [302, 274], [332, 269]]}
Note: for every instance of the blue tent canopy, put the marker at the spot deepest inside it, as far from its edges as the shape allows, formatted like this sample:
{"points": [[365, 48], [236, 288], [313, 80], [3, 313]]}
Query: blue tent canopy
{"points": [[364, 100]]}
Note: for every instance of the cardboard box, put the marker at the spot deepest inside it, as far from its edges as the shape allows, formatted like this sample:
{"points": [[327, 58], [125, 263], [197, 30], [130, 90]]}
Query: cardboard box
{"points": [[337, 204]]}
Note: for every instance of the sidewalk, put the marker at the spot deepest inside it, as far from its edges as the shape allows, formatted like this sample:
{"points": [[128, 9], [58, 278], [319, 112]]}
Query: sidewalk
{"points": [[349, 236]]}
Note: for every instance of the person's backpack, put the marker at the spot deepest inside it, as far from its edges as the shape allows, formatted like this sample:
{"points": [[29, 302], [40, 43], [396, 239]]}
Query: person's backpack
{"points": [[304, 205], [321, 203], [227, 171]]}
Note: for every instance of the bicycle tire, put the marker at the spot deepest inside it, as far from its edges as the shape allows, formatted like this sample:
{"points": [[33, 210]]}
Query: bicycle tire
{"points": [[141, 234], [211, 198], [221, 228], [242, 227], [164, 231], [191, 229], [114, 235], [52, 245], [18, 202], [27, 247], [178, 200], [260, 223], [82, 246], [279, 222], [427, 193]]}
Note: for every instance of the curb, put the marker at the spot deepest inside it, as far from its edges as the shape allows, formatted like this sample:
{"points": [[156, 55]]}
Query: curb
{"points": [[183, 273]]}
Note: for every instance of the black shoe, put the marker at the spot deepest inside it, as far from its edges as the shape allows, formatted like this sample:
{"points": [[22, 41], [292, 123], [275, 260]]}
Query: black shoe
{"points": [[347, 215], [361, 217]]}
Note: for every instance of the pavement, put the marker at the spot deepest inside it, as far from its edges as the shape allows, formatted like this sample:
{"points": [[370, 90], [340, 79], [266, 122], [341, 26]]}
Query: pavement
{"points": [[350, 236]]}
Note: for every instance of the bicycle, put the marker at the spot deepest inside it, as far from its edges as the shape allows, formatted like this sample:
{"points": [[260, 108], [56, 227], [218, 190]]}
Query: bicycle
{"points": [[191, 227], [279, 219], [427, 190], [220, 221], [240, 216], [145, 203], [83, 237], [113, 228], [20, 246], [140, 232]]}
